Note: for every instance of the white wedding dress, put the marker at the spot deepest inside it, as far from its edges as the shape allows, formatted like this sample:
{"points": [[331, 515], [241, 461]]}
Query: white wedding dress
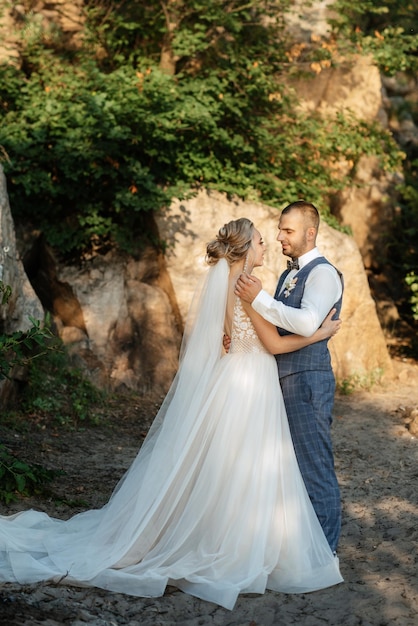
{"points": [[214, 502]]}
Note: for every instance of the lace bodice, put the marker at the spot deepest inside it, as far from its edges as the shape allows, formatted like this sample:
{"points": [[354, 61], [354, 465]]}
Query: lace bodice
{"points": [[243, 336]]}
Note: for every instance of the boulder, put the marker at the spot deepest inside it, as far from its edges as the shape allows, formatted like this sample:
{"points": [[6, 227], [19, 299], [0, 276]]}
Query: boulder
{"points": [[131, 328], [23, 303]]}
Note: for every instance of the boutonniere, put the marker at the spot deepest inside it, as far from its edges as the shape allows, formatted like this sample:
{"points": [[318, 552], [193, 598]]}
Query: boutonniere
{"points": [[289, 285]]}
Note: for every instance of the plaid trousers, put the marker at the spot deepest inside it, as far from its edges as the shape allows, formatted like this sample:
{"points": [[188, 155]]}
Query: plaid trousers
{"points": [[309, 400]]}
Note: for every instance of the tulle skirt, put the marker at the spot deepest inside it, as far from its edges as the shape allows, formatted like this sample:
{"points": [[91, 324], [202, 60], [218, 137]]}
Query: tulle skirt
{"points": [[214, 504]]}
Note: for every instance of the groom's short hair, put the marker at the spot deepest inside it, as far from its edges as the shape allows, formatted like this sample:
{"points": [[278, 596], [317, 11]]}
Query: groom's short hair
{"points": [[309, 211]]}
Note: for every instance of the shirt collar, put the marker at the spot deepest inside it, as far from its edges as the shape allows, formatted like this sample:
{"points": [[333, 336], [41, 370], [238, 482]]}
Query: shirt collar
{"points": [[308, 257]]}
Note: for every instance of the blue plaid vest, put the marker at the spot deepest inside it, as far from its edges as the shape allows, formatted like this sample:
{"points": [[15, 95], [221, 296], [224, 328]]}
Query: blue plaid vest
{"points": [[313, 357]]}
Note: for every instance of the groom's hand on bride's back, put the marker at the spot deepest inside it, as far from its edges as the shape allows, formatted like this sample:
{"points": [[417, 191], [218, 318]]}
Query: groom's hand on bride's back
{"points": [[226, 342]]}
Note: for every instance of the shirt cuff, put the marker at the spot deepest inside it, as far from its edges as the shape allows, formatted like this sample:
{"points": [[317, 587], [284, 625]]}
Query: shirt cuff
{"points": [[262, 300]]}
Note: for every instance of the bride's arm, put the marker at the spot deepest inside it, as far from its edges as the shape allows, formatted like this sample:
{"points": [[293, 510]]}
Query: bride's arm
{"points": [[276, 344]]}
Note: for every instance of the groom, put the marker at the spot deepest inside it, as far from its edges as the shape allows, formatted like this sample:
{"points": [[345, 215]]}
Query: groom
{"points": [[305, 294]]}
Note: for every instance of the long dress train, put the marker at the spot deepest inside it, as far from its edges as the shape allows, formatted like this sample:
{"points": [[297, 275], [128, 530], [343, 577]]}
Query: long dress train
{"points": [[214, 502]]}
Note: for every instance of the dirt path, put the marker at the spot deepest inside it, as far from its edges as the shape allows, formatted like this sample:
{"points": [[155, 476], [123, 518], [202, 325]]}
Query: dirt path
{"points": [[376, 459]]}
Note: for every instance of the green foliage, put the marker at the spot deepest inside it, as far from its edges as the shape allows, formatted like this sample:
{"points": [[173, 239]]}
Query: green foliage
{"points": [[196, 35], [58, 392], [55, 387], [394, 50], [6, 293], [22, 347], [100, 139], [411, 280], [78, 168], [402, 244], [360, 381], [387, 31], [19, 477]]}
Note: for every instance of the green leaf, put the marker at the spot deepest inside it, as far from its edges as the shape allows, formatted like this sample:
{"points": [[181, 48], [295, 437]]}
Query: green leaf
{"points": [[20, 482]]}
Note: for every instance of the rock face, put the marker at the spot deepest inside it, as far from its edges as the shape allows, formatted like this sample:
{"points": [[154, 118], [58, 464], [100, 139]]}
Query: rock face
{"points": [[355, 86], [370, 205], [67, 15], [307, 19], [117, 315], [131, 329], [23, 302]]}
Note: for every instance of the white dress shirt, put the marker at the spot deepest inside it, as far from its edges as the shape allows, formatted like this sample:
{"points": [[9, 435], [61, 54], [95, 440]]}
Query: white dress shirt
{"points": [[323, 289]]}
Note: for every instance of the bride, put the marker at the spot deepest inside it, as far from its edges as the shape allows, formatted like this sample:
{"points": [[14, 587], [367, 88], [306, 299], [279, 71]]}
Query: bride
{"points": [[214, 502]]}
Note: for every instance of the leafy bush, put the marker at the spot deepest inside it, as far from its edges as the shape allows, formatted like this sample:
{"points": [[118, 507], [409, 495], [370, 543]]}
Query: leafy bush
{"points": [[54, 386], [60, 393], [360, 381], [96, 143], [19, 477], [411, 280], [21, 347], [75, 139], [387, 31]]}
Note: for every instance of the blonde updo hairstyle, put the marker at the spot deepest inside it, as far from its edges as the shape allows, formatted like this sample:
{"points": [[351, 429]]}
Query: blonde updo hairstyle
{"points": [[232, 242]]}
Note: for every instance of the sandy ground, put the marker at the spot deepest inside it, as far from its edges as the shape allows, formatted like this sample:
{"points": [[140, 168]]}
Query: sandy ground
{"points": [[376, 459]]}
